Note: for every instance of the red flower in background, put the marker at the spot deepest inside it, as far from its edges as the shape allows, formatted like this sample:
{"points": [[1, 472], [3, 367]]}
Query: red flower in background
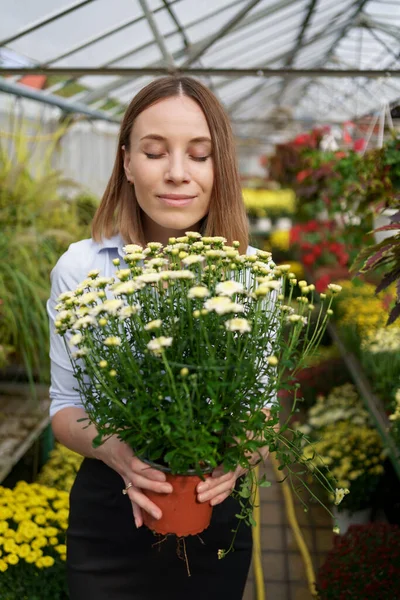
{"points": [[302, 175], [318, 246], [308, 259], [359, 145], [322, 283]]}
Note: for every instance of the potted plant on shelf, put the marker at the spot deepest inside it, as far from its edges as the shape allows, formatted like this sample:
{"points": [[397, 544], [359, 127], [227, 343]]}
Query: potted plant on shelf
{"points": [[353, 454], [179, 356], [363, 564]]}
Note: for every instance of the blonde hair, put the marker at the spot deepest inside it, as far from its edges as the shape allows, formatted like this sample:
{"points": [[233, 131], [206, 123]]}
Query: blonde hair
{"points": [[119, 211]]}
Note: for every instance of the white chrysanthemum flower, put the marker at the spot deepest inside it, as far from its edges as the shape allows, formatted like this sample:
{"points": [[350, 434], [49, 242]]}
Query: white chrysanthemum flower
{"points": [[340, 493], [158, 344], [112, 340], [132, 248], [102, 282], [92, 274], [65, 316], [193, 259], [88, 298], [80, 353], [181, 274], [156, 262], [198, 291], [230, 252], [128, 311], [287, 309], [85, 322], [135, 257], [126, 288], [263, 254], [65, 296], [154, 245], [82, 311], [76, 339], [198, 245], [240, 325], [335, 289], [228, 288], [149, 278], [111, 307], [156, 324], [297, 319], [214, 240], [215, 254], [223, 305], [193, 235], [122, 274]]}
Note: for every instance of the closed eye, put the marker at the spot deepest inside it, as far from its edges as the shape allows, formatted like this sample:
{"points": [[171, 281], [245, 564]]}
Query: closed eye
{"points": [[196, 158]]}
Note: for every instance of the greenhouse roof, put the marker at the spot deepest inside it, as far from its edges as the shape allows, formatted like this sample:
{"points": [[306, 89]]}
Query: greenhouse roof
{"points": [[273, 63]]}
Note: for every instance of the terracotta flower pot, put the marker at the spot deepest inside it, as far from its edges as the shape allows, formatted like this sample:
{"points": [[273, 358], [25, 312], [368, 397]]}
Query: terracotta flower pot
{"points": [[182, 513]]}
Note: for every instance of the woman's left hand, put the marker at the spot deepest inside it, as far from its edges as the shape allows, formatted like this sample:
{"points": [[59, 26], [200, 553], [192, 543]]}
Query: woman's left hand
{"points": [[219, 486]]}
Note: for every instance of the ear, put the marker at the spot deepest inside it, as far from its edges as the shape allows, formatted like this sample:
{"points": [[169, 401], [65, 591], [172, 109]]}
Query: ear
{"points": [[127, 163]]}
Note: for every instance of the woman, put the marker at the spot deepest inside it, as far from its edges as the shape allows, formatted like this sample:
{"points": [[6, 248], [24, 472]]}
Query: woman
{"points": [[175, 171]]}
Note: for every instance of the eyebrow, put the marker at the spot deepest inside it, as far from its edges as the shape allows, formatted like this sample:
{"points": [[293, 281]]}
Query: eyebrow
{"points": [[160, 138]]}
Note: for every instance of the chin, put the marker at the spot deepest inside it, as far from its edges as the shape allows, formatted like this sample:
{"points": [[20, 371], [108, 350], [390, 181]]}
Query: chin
{"points": [[179, 222]]}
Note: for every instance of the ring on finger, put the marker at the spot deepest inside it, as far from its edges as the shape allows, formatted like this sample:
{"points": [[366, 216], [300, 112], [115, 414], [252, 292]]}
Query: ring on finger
{"points": [[125, 490]]}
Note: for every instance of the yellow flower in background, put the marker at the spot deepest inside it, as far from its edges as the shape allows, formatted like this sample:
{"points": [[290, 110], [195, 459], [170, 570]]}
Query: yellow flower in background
{"points": [[280, 239], [264, 203], [33, 514], [60, 470]]}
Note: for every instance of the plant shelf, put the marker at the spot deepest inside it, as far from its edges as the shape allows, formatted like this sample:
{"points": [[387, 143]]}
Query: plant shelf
{"points": [[372, 402], [21, 422]]}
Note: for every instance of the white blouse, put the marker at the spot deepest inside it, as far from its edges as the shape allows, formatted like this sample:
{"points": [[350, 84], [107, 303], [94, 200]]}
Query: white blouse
{"points": [[72, 268]]}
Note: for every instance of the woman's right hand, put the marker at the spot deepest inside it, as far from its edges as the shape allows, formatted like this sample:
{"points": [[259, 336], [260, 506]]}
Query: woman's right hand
{"points": [[120, 457]]}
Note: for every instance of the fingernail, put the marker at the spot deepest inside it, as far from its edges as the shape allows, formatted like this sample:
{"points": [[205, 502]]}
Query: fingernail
{"points": [[167, 488], [202, 487], [156, 515]]}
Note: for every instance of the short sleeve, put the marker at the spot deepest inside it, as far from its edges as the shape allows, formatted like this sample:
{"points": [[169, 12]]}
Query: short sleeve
{"points": [[63, 388]]}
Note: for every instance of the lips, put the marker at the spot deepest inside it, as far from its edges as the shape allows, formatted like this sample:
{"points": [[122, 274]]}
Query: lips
{"points": [[178, 200], [176, 197]]}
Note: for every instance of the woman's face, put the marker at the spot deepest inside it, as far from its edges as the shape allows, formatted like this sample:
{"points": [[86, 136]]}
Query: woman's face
{"points": [[171, 167]]}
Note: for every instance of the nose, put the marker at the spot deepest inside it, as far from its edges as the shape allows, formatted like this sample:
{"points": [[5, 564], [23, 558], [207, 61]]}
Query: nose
{"points": [[177, 170]]}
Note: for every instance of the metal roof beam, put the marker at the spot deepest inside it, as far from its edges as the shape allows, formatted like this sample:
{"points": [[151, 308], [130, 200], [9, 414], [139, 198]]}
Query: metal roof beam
{"points": [[88, 96], [299, 41], [376, 37], [169, 61], [98, 92], [41, 23], [24, 91], [168, 7], [201, 72], [358, 6], [102, 36], [198, 53], [327, 30], [373, 24]]}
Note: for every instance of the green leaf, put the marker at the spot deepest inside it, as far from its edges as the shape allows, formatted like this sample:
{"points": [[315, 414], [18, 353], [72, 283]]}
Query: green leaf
{"points": [[265, 484]]}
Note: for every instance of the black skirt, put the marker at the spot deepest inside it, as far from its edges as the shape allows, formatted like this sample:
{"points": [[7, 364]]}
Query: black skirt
{"points": [[108, 558]]}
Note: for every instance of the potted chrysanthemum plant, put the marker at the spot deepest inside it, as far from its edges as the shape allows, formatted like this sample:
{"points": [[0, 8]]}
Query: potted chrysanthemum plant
{"points": [[180, 352]]}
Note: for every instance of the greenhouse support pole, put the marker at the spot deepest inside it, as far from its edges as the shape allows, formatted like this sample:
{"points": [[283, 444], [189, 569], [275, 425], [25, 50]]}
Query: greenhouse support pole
{"points": [[71, 107]]}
